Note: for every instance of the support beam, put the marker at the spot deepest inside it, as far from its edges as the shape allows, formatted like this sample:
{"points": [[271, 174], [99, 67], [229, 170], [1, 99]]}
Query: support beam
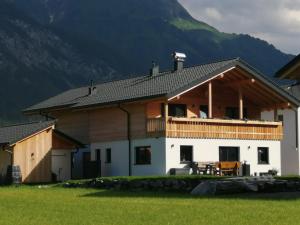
{"points": [[241, 104], [275, 114], [241, 82], [210, 100], [166, 111]]}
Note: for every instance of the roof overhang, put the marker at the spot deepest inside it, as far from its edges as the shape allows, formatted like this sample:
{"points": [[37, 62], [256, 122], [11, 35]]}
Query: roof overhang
{"points": [[69, 139], [244, 66], [291, 70], [31, 135]]}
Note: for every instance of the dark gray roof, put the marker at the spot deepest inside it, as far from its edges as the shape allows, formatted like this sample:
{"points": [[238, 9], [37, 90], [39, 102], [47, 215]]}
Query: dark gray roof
{"points": [[12, 134], [293, 89], [166, 84], [281, 72]]}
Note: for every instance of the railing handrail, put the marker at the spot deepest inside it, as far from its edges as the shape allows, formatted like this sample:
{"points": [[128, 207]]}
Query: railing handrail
{"points": [[229, 121]]}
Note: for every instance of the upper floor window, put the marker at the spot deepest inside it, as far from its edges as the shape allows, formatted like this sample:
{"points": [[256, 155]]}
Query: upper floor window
{"points": [[177, 110], [233, 113], [143, 155], [263, 155], [280, 118], [203, 111]]}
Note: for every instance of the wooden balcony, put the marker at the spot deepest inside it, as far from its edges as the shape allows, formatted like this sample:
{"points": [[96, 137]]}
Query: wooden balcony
{"points": [[214, 128]]}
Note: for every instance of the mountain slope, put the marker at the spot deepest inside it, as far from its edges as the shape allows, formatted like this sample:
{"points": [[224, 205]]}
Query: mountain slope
{"points": [[49, 46], [35, 63], [138, 32]]}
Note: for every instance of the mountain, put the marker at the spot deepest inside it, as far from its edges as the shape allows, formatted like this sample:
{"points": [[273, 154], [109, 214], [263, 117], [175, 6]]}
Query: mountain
{"points": [[36, 63], [49, 46], [139, 31]]}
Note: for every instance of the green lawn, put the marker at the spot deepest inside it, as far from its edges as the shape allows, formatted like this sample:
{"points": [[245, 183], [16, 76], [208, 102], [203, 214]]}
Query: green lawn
{"points": [[33, 205]]}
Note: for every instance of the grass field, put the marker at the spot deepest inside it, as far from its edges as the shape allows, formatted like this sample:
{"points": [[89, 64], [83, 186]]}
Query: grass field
{"points": [[43, 206]]}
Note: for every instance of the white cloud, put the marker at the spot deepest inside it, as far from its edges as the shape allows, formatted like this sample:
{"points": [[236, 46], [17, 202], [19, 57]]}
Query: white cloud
{"points": [[277, 21]]}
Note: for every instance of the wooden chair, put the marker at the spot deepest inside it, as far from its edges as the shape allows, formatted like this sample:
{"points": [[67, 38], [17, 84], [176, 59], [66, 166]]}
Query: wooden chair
{"points": [[207, 168]]}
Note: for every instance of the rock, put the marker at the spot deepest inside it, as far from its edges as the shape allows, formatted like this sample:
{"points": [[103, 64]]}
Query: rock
{"points": [[205, 188]]}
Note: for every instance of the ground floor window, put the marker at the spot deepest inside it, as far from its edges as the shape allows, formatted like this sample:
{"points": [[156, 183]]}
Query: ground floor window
{"points": [[108, 155], [263, 155], [186, 154], [229, 154], [143, 155]]}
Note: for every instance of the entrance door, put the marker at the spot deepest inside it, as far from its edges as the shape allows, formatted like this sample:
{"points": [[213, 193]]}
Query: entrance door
{"points": [[98, 161], [90, 168]]}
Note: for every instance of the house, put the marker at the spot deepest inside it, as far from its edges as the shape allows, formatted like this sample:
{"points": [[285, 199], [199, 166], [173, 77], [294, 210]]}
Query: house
{"points": [[38, 149], [290, 145], [150, 124]]}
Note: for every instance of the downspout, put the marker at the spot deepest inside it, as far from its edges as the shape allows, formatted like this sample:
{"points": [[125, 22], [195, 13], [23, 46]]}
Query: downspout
{"points": [[297, 127], [128, 138]]}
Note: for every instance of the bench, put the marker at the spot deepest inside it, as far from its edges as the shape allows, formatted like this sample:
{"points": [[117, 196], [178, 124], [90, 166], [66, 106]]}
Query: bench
{"points": [[229, 168]]}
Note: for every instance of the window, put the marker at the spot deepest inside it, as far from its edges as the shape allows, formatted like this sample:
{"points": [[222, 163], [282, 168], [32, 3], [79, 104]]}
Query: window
{"points": [[280, 118], [143, 155], [177, 110], [98, 155], [229, 154], [186, 154], [203, 111], [233, 113], [108, 155], [263, 155]]}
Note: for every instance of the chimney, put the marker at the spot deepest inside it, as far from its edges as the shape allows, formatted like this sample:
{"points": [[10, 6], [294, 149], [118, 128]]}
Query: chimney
{"points": [[92, 88], [154, 71], [179, 58]]}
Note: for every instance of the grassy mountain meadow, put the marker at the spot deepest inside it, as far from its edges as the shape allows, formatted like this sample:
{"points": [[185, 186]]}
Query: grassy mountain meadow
{"points": [[50, 46]]}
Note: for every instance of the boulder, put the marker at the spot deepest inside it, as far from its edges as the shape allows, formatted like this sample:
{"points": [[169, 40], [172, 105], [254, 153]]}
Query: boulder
{"points": [[205, 188]]}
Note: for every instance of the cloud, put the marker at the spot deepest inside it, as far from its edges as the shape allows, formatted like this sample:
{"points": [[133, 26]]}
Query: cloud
{"points": [[276, 21]]}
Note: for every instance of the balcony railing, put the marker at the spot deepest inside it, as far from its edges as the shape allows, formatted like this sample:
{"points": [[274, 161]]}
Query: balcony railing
{"points": [[214, 128]]}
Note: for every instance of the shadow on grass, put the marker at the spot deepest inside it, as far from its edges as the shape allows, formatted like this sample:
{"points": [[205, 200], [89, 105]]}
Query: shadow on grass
{"points": [[290, 196]]}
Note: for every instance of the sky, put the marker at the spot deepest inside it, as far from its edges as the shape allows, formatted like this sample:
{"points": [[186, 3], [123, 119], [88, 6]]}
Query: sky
{"points": [[276, 21]]}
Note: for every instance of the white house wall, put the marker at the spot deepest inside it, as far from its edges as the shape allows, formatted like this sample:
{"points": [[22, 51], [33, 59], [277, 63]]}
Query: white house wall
{"points": [[289, 150], [119, 157], [61, 164], [165, 154], [208, 150]]}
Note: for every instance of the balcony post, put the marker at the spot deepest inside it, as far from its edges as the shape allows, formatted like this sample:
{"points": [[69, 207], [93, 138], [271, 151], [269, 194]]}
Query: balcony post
{"points": [[241, 104], [166, 111], [275, 114], [210, 100], [166, 116]]}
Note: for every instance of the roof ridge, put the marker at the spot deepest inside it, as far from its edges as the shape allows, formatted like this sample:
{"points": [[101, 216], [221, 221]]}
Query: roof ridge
{"points": [[164, 71]]}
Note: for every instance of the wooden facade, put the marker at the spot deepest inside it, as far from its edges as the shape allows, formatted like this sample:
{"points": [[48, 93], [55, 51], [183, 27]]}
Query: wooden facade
{"points": [[33, 155], [235, 89]]}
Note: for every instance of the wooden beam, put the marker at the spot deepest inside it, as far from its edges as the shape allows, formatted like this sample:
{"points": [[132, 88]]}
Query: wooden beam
{"points": [[285, 105], [166, 111], [241, 104], [275, 114], [241, 82], [210, 100]]}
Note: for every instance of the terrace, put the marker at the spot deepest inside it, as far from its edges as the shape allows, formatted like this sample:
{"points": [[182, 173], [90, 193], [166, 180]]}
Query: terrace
{"points": [[229, 106]]}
